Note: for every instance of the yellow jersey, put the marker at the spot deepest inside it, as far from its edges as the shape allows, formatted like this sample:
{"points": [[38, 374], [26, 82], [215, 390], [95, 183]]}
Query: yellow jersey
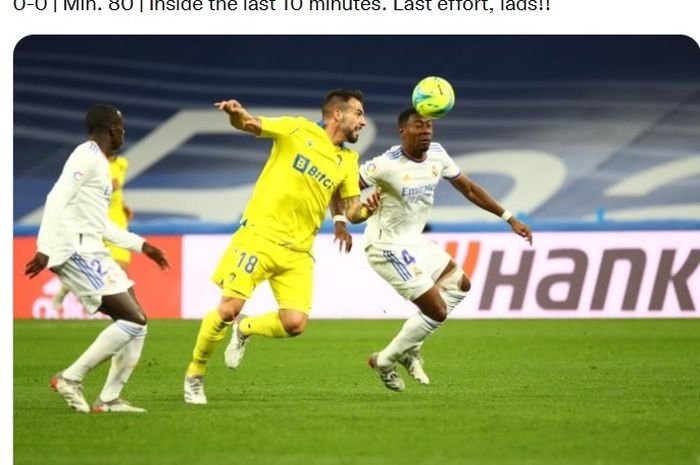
{"points": [[294, 189], [117, 171]]}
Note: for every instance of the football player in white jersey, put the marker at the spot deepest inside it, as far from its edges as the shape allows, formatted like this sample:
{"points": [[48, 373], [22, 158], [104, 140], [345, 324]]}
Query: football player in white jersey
{"points": [[71, 244], [418, 269]]}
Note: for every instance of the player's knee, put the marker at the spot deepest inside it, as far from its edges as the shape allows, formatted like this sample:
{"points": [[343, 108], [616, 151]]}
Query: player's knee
{"points": [[229, 308], [294, 323], [432, 305], [439, 312], [294, 328]]}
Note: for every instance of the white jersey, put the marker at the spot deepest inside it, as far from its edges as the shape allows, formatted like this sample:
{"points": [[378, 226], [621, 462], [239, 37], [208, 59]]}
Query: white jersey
{"points": [[75, 215], [408, 190]]}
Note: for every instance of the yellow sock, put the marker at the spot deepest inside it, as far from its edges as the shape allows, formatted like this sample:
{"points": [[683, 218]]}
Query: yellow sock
{"points": [[211, 332], [269, 325]]}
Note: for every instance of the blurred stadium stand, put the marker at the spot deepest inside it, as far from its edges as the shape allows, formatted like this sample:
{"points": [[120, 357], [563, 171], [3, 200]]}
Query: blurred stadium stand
{"points": [[570, 130]]}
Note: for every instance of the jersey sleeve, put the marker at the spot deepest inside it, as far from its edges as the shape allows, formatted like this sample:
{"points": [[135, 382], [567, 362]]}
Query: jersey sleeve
{"points": [[273, 128], [350, 185], [370, 171], [77, 168], [122, 238], [450, 170]]}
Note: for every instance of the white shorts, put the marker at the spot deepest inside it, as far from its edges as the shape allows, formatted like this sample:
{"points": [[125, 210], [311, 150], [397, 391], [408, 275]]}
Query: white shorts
{"points": [[93, 275], [411, 270]]}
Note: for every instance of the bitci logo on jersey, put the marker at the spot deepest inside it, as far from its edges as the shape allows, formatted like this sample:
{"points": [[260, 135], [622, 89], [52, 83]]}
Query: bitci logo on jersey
{"points": [[304, 166]]}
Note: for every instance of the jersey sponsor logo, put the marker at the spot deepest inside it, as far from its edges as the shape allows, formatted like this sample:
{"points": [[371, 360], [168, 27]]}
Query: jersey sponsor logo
{"points": [[413, 194], [304, 166]]}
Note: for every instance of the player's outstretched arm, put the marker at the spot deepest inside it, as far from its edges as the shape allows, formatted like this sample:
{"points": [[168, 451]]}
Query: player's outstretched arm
{"points": [[479, 197], [155, 254], [239, 117]]}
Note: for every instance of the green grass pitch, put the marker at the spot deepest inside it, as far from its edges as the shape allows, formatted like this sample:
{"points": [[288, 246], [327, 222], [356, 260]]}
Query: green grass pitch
{"points": [[502, 392]]}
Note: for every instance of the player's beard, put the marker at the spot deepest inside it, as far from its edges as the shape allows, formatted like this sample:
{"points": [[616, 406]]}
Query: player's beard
{"points": [[352, 134]]}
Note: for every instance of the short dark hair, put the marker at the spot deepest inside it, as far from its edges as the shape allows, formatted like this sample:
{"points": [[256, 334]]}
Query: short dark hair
{"points": [[343, 96], [405, 115], [100, 116]]}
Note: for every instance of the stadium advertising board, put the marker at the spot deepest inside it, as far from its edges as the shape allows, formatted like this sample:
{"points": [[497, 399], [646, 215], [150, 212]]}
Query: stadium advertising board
{"points": [[159, 293], [563, 275]]}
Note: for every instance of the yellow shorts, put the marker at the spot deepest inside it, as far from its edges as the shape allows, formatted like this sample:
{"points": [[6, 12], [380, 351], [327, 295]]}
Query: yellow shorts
{"points": [[251, 259], [118, 254]]}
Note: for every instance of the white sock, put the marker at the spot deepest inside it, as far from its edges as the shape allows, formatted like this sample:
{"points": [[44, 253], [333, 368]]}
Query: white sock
{"points": [[123, 364], [414, 331], [107, 343], [452, 299]]}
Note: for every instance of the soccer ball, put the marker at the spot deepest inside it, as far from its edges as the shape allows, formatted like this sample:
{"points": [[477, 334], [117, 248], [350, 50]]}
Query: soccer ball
{"points": [[433, 97]]}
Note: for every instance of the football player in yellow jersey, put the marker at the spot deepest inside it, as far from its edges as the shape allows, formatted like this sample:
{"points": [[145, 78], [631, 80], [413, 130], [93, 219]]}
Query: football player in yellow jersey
{"points": [[308, 163], [118, 212]]}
